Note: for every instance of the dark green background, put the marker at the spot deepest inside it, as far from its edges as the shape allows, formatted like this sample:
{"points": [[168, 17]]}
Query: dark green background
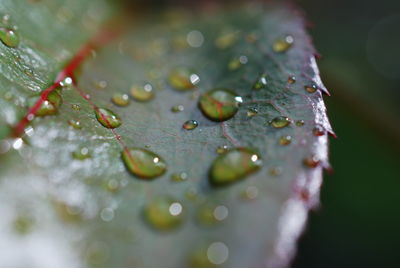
{"points": [[358, 222]]}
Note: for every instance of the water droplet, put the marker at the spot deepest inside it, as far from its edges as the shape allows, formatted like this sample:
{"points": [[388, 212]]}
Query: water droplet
{"points": [[177, 108], [219, 104], [226, 40], [49, 106], [250, 193], [235, 63], [285, 140], [120, 99], [252, 112], [81, 153], [68, 213], [164, 213], [113, 185], [319, 130], [75, 124], [261, 82], [209, 255], [183, 79], [300, 123], [76, 107], [190, 124], [280, 122], [9, 37], [107, 118], [210, 215], [195, 39], [143, 163], [142, 93], [283, 44], [217, 253], [222, 149], [311, 162], [292, 79], [179, 177], [107, 214], [311, 89], [234, 165]]}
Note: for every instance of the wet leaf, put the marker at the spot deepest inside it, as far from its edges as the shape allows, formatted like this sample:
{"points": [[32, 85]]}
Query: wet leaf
{"points": [[95, 209]]}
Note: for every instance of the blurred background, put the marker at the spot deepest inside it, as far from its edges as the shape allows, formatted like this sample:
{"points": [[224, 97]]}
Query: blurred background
{"points": [[358, 223]]}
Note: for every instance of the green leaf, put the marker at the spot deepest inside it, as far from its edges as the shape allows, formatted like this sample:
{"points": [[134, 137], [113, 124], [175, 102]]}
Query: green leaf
{"points": [[95, 193]]}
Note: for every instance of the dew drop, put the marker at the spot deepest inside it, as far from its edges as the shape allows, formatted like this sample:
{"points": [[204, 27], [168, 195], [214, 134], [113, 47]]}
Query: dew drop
{"points": [[261, 82], [319, 130], [75, 124], [179, 177], [210, 215], [142, 93], [183, 79], [164, 214], [107, 214], [9, 37], [311, 89], [252, 112], [49, 106], [280, 122], [81, 153], [233, 166], [222, 149], [300, 123], [120, 99], [107, 118], [292, 79], [76, 107], [311, 162], [218, 253], [235, 63], [143, 163], [113, 185], [285, 140], [190, 124], [219, 104], [283, 44], [177, 108]]}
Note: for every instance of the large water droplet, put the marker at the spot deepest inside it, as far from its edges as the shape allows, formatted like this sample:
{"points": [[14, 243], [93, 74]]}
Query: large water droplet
{"points": [[120, 99], [9, 37], [142, 93], [183, 79], [283, 44], [143, 163], [234, 165], [219, 104], [164, 213], [190, 124], [107, 118], [49, 106], [280, 122]]}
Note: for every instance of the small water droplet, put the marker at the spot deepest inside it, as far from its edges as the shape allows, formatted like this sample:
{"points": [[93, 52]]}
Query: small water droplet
{"points": [[300, 123], [219, 104], [177, 108], [261, 82], [76, 107], [234, 165], [81, 153], [107, 214], [311, 162], [143, 163], [113, 185], [209, 255], [183, 79], [120, 99], [218, 253], [226, 40], [9, 37], [235, 63], [311, 89], [250, 193], [75, 124], [49, 106], [142, 93], [107, 118], [292, 79], [252, 112], [319, 130], [210, 215], [190, 124], [222, 149], [285, 140], [164, 214], [195, 39], [179, 177], [280, 122], [283, 44]]}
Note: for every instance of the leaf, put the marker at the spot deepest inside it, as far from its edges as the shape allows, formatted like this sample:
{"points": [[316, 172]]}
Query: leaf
{"points": [[72, 193]]}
